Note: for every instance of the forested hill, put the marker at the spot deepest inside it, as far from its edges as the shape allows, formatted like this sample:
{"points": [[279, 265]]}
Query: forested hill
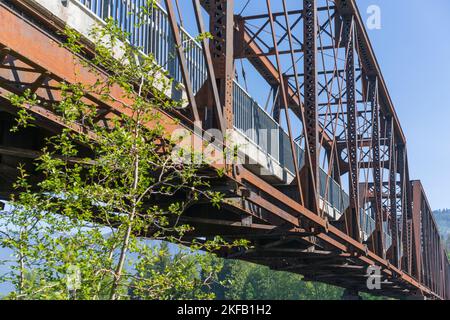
{"points": [[443, 221]]}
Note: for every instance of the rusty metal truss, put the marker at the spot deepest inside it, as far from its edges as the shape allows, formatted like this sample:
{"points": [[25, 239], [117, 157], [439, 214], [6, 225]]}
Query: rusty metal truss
{"points": [[317, 56]]}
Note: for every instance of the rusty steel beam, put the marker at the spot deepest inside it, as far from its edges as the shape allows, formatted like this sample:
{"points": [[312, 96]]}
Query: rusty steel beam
{"points": [[352, 129], [405, 259], [285, 105], [392, 185], [210, 67], [311, 123], [427, 243], [222, 52], [281, 13], [61, 65], [418, 210], [182, 59], [310, 129], [376, 158], [339, 241], [407, 210]]}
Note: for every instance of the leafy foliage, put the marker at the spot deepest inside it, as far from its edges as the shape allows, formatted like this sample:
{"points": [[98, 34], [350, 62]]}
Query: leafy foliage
{"points": [[241, 280], [184, 274], [95, 189]]}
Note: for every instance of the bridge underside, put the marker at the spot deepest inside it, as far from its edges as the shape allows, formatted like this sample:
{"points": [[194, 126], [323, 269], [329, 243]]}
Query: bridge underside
{"points": [[287, 229], [276, 239]]}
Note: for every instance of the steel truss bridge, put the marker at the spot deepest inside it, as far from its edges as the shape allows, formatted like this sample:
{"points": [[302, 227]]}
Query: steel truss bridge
{"points": [[327, 193]]}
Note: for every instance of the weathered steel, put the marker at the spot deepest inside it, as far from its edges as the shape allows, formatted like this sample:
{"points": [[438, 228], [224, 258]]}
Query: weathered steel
{"points": [[285, 105], [257, 210], [373, 98], [310, 123], [392, 185], [210, 66], [182, 58], [352, 129], [222, 52]]}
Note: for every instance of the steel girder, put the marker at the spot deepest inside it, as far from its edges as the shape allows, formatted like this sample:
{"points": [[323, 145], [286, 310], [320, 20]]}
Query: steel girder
{"points": [[222, 52], [310, 120], [421, 267]]}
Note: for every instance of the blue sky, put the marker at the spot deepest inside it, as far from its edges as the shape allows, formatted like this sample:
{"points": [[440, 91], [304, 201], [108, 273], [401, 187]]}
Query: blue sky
{"points": [[413, 50]]}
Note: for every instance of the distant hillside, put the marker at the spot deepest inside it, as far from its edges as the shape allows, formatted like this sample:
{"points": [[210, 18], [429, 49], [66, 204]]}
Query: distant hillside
{"points": [[443, 221]]}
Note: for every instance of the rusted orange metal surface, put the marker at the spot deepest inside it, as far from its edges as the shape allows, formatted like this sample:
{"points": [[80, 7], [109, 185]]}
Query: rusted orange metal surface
{"points": [[286, 234]]}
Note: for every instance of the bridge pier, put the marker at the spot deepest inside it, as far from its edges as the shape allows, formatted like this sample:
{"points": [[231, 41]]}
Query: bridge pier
{"points": [[350, 294]]}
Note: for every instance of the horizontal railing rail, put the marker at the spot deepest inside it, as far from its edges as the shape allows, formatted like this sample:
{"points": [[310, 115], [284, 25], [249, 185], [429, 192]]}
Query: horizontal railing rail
{"points": [[259, 127], [152, 34], [335, 195], [368, 226]]}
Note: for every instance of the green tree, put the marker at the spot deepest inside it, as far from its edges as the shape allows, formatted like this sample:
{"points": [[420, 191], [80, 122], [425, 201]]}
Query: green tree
{"points": [[185, 274], [92, 193], [242, 280]]}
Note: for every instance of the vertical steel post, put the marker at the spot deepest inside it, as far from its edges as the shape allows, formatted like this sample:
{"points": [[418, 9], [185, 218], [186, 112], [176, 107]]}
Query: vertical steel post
{"points": [[310, 31], [182, 58], [417, 199], [426, 249], [222, 50], [209, 67], [352, 128], [393, 191], [406, 216], [376, 159], [285, 103]]}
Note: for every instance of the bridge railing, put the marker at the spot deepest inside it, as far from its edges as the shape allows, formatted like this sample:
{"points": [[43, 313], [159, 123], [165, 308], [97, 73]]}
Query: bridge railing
{"points": [[368, 224], [154, 38], [335, 195], [260, 128]]}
